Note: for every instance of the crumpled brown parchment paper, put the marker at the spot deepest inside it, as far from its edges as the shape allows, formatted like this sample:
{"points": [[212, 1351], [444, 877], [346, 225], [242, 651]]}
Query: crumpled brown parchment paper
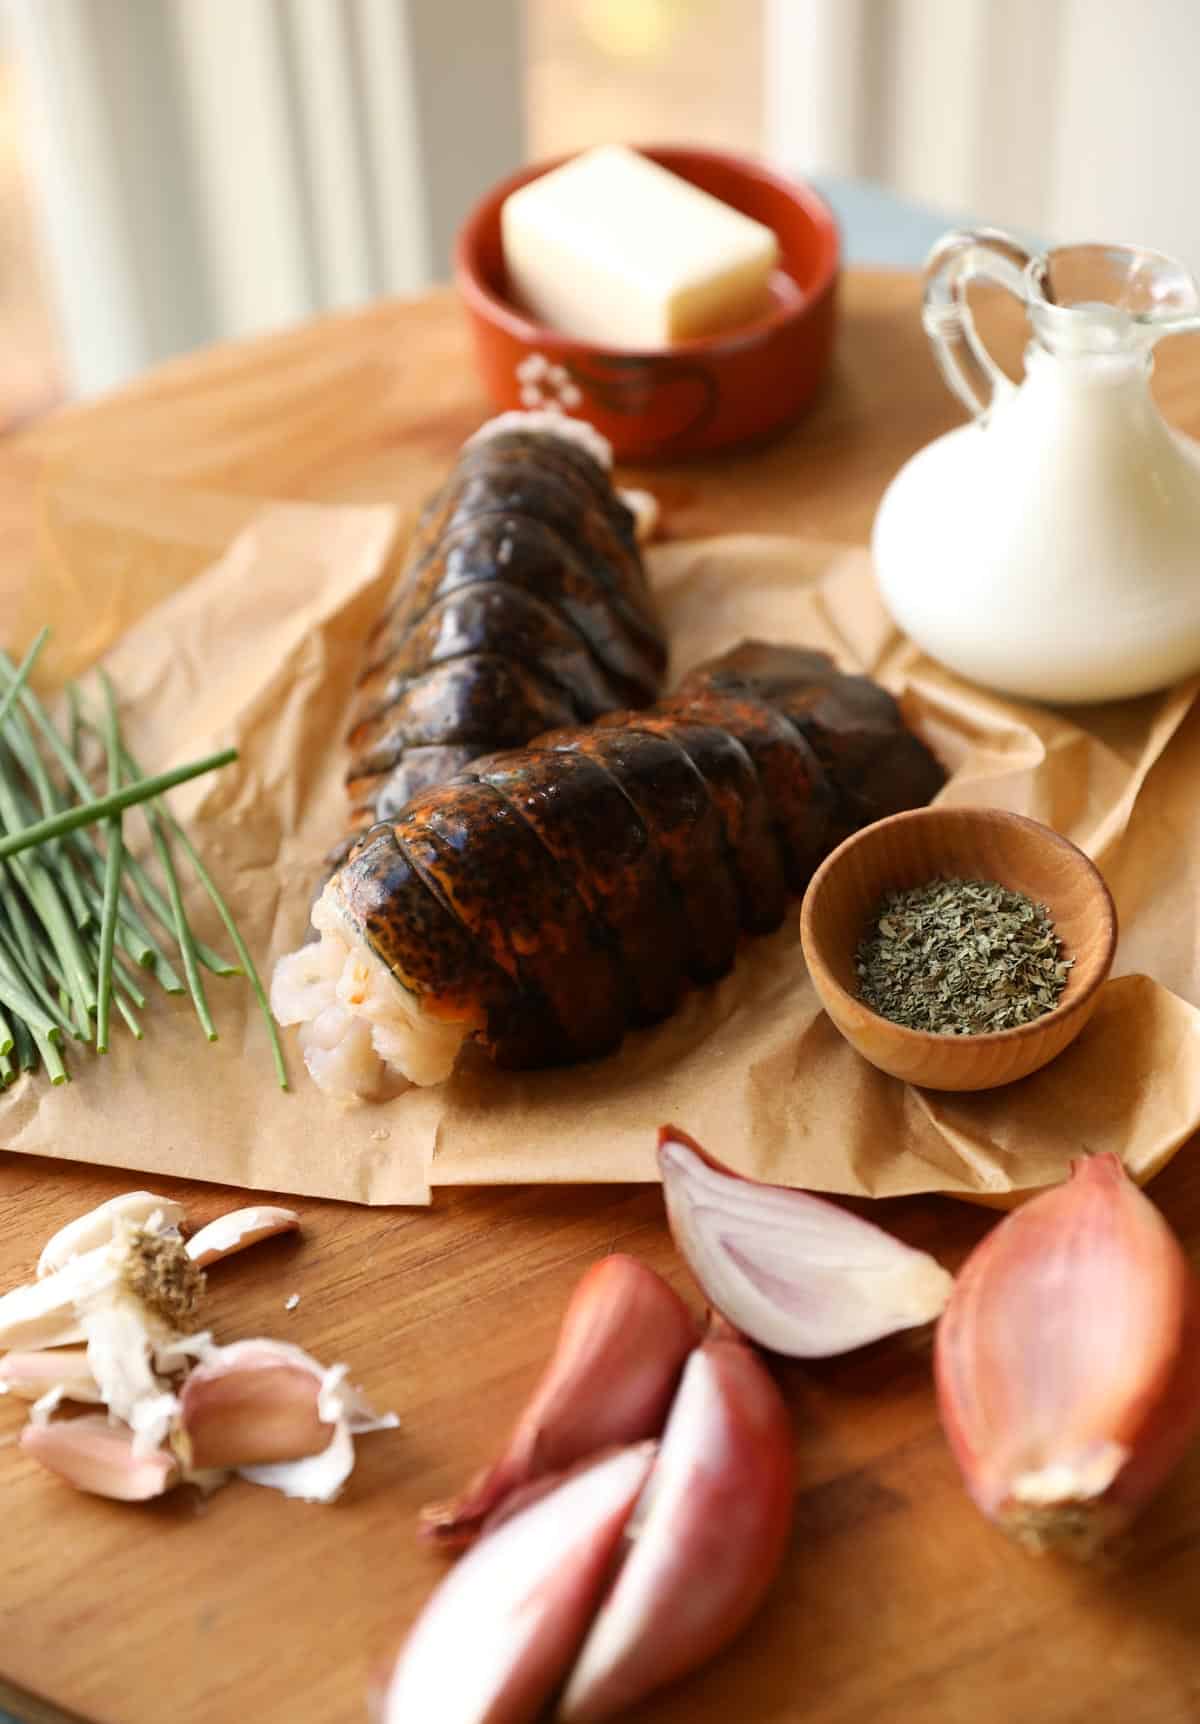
{"points": [[243, 625]]}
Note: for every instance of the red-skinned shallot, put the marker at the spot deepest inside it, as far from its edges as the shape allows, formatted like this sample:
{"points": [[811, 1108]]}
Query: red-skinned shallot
{"points": [[710, 1539], [622, 1345], [1066, 1360], [493, 1642]]}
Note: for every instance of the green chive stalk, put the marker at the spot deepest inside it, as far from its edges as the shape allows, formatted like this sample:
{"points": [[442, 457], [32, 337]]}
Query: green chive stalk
{"points": [[72, 941]]}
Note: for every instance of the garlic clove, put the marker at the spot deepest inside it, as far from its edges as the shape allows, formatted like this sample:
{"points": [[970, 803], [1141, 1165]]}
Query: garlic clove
{"points": [[623, 1342], [500, 1631], [32, 1375], [269, 1411], [234, 1232], [44, 1313], [100, 1225], [711, 1535], [99, 1457], [793, 1272], [1066, 1360], [252, 1409]]}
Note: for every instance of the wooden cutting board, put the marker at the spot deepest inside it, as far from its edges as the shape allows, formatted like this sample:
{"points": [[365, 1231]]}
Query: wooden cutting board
{"points": [[897, 1601]]}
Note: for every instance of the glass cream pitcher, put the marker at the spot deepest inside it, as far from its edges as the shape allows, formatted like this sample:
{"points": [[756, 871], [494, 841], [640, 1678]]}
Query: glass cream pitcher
{"points": [[1051, 547]]}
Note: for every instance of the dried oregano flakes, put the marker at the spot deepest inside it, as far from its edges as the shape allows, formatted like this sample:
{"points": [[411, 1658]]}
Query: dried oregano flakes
{"points": [[961, 958]]}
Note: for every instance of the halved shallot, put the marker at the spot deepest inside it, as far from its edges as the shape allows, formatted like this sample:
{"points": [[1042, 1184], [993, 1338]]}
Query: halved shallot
{"points": [[621, 1347], [493, 1642], [710, 1538], [1068, 1360], [794, 1272]]}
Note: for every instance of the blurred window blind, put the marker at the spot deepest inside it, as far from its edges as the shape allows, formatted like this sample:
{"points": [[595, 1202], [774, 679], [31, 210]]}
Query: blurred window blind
{"points": [[211, 168], [1065, 118]]}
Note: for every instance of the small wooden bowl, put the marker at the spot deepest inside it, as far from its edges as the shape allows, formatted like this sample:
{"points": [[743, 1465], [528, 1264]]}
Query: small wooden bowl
{"points": [[696, 396], [975, 843]]}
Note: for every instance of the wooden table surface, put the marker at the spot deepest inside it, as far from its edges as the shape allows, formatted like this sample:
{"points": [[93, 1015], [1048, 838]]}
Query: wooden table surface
{"points": [[897, 1600]]}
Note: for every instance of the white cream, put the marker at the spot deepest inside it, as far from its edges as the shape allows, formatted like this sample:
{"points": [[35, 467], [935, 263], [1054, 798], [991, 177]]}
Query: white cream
{"points": [[1049, 549]]}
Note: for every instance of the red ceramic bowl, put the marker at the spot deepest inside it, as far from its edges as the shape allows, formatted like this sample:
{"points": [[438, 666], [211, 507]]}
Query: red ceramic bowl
{"points": [[696, 396]]}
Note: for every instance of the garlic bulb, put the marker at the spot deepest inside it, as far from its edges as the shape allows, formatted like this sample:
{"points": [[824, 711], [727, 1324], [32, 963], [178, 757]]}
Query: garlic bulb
{"points": [[99, 1226], [127, 1299], [1067, 1360]]}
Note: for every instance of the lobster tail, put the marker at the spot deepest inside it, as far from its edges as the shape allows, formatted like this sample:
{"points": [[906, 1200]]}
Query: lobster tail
{"points": [[550, 898]]}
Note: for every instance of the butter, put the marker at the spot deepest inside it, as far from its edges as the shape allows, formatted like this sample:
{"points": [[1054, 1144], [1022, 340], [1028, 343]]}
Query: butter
{"points": [[614, 249]]}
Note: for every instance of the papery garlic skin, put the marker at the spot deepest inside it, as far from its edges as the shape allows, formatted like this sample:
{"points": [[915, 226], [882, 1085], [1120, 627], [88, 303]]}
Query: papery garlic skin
{"points": [[796, 1273], [100, 1226], [499, 1633], [1068, 1360]]}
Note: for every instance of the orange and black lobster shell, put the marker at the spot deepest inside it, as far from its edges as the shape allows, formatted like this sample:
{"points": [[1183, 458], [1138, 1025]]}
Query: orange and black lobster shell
{"points": [[522, 605], [550, 898]]}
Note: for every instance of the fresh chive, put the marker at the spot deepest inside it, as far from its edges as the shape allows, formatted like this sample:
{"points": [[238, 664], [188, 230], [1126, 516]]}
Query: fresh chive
{"points": [[24, 750], [127, 1012], [159, 907], [183, 933], [19, 674], [66, 908], [74, 736], [43, 898], [27, 1057], [132, 933], [126, 983], [90, 855], [104, 807], [112, 873], [56, 1071], [19, 1000], [149, 892], [30, 979], [23, 932], [234, 932]]}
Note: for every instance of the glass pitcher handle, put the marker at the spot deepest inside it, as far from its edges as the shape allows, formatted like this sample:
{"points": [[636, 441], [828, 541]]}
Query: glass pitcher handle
{"points": [[980, 254]]}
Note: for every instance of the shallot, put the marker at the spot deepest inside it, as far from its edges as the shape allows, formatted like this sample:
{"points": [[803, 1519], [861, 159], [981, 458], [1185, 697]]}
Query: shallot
{"points": [[1066, 1360], [793, 1272], [498, 1634], [622, 1345], [715, 1525]]}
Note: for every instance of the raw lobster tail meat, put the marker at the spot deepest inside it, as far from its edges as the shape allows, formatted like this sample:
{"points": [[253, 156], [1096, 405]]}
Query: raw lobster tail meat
{"points": [[548, 899], [522, 605]]}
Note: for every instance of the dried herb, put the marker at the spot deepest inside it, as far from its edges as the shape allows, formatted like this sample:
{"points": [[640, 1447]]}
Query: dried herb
{"points": [[961, 958]]}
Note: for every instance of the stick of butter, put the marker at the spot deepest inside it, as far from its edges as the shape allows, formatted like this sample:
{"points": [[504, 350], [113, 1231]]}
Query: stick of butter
{"points": [[612, 248]]}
